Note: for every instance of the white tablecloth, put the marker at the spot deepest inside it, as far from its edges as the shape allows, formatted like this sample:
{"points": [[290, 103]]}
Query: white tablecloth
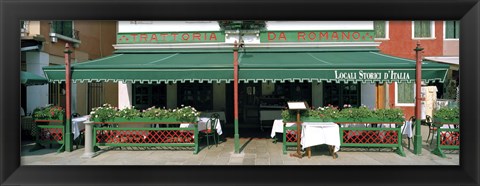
{"points": [[78, 125], [317, 133], [202, 125], [277, 126]]}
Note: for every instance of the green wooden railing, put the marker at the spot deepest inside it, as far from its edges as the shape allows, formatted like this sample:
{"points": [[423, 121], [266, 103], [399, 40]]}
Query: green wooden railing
{"points": [[357, 136], [447, 138], [109, 134], [48, 134]]}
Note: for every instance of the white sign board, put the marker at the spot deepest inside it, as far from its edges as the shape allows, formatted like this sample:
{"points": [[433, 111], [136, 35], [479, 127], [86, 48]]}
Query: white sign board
{"points": [[297, 106]]}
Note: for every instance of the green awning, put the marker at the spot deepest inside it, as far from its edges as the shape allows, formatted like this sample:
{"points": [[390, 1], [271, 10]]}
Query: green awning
{"points": [[340, 66], [28, 78], [150, 68]]}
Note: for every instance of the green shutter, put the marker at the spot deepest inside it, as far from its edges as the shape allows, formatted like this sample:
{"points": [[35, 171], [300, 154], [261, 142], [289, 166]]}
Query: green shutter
{"points": [[449, 29], [405, 93], [422, 29], [67, 28], [457, 29], [380, 29]]}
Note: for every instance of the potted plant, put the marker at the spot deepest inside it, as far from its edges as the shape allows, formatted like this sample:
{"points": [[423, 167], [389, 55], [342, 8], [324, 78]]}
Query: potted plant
{"points": [[49, 112], [447, 115]]}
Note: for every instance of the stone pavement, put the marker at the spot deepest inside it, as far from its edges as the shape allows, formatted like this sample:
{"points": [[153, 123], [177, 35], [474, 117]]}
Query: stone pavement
{"points": [[254, 151]]}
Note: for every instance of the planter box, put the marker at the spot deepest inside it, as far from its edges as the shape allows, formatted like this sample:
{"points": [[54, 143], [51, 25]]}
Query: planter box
{"points": [[369, 120], [140, 119], [59, 118]]}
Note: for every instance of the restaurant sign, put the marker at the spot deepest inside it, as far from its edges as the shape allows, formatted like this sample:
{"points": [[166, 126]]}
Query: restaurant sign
{"points": [[317, 36], [170, 37], [374, 75]]}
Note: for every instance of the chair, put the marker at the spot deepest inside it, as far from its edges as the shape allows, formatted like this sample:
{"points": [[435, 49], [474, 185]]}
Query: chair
{"points": [[211, 130], [431, 128]]}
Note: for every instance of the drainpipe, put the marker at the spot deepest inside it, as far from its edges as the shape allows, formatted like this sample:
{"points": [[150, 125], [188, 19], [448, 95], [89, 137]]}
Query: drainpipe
{"points": [[235, 96], [417, 139], [68, 129]]}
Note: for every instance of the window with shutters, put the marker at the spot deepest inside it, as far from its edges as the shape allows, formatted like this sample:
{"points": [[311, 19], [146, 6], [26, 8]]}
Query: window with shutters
{"points": [[95, 95], [423, 29], [381, 29], [64, 28], [404, 94], [452, 29]]}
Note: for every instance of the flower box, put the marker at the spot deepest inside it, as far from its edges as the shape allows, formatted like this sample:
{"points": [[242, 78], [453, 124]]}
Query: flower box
{"points": [[368, 120], [59, 117], [141, 119]]}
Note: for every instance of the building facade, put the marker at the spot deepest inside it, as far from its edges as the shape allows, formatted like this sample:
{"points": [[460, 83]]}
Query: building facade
{"points": [[43, 44], [440, 40]]}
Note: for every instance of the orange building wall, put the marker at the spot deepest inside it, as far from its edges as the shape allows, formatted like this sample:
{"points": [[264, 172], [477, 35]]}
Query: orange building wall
{"points": [[401, 44]]}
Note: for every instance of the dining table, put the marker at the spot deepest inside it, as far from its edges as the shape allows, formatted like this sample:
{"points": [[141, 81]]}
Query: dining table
{"points": [[78, 125], [318, 133]]}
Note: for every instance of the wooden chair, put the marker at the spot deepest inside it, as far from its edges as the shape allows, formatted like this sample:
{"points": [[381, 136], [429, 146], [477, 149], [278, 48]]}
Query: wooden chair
{"points": [[211, 130]]}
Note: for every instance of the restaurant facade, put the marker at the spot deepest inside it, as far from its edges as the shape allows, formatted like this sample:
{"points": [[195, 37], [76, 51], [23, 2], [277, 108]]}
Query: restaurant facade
{"points": [[174, 63]]}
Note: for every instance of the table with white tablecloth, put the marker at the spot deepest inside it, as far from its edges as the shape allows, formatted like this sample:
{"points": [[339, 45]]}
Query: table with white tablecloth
{"points": [[202, 125], [78, 125], [318, 133], [277, 127]]}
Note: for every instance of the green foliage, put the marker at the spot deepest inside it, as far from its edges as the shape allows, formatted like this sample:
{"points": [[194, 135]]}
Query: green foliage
{"points": [[186, 113], [104, 113], [390, 114], [291, 115], [355, 113], [49, 112], [447, 113], [129, 113], [157, 113], [107, 112], [328, 112]]}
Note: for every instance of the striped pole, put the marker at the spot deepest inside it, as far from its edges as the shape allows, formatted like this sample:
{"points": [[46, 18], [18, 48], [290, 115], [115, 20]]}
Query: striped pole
{"points": [[417, 139], [235, 96]]}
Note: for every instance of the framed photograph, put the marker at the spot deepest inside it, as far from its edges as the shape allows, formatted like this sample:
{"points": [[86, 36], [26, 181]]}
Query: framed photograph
{"points": [[459, 18]]}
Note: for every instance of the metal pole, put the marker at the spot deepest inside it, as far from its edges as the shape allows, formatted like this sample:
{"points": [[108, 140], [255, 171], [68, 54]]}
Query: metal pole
{"points": [[68, 126], [235, 96], [417, 139]]}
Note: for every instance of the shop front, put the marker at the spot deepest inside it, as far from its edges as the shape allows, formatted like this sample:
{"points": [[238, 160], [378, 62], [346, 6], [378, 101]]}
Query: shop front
{"points": [[167, 69]]}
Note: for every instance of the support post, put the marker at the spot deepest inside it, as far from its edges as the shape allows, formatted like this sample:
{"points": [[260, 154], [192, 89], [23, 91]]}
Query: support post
{"points": [[235, 97], [68, 122], [89, 152], [417, 139]]}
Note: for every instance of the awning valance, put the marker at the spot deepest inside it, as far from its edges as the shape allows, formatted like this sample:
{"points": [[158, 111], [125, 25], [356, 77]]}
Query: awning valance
{"points": [[342, 66], [150, 68]]}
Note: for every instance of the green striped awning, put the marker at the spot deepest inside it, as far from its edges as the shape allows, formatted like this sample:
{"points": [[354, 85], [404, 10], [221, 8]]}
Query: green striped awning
{"points": [[150, 68], [339, 66], [28, 78]]}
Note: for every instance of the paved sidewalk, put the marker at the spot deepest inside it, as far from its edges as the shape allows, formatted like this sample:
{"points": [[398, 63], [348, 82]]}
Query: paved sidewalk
{"points": [[254, 151]]}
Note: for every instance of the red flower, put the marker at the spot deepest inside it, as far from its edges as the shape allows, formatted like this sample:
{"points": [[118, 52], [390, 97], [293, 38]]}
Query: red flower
{"points": [[52, 113]]}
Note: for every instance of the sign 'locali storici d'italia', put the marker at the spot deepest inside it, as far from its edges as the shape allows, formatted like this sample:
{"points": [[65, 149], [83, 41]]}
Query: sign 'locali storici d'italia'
{"points": [[374, 75], [316, 36], [170, 37]]}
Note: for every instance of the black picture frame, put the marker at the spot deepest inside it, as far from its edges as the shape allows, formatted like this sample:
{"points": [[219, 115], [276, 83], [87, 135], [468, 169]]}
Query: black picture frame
{"points": [[12, 173]]}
